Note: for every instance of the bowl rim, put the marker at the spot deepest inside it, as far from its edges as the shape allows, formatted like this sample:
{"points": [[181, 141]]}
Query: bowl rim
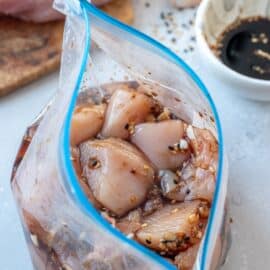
{"points": [[213, 59]]}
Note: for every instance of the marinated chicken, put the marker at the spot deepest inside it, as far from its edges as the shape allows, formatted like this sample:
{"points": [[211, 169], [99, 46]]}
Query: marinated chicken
{"points": [[173, 228], [86, 123], [163, 143], [117, 173], [149, 173], [125, 110]]}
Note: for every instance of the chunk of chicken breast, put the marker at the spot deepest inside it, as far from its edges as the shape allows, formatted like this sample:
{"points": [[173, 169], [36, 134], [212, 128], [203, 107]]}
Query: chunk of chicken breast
{"points": [[205, 148], [126, 109], [173, 228], [86, 123], [198, 176], [118, 174], [161, 143]]}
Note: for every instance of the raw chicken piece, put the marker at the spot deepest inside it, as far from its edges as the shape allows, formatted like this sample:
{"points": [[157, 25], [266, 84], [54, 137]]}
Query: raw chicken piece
{"points": [[117, 173], [158, 140], [126, 109], [173, 228], [185, 3], [205, 148], [198, 176], [199, 183], [186, 259], [86, 122]]}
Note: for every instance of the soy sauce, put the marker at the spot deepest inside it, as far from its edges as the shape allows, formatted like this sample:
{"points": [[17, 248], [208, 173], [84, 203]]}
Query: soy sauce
{"points": [[245, 48]]}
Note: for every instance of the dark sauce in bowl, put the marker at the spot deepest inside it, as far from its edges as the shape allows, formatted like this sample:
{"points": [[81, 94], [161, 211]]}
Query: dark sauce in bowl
{"points": [[245, 47]]}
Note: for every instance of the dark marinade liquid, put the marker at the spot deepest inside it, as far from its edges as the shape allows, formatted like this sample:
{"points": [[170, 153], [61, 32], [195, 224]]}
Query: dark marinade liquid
{"points": [[245, 48]]}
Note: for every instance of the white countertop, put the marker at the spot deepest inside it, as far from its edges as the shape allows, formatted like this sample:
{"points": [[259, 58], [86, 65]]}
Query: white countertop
{"points": [[246, 127]]}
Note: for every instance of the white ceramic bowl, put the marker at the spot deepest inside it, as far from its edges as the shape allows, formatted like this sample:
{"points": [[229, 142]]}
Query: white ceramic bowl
{"points": [[212, 19]]}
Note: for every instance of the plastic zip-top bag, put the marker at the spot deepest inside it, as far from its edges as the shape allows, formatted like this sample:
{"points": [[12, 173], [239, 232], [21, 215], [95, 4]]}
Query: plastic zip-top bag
{"points": [[125, 168]]}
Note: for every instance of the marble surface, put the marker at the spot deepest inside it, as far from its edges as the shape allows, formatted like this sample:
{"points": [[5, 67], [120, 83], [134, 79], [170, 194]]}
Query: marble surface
{"points": [[246, 127]]}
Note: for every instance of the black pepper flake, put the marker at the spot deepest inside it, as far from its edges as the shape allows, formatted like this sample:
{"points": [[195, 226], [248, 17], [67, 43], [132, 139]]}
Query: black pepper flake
{"points": [[169, 31], [166, 24], [127, 126], [93, 163], [186, 238], [187, 191], [169, 13], [173, 116], [173, 40], [193, 38], [147, 4], [190, 22], [163, 241], [200, 225], [148, 241], [184, 25], [133, 171], [175, 181], [185, 50], [171, 148], [191, 48], [179, 243], [162, 15]]}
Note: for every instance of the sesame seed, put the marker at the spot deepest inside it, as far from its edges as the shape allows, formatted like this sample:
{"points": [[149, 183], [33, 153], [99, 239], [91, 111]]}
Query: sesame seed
{"points": [[190, 133], [146, 167], [193, 218], [199, 235], [178, 173], [34, 239], [183, 144]]}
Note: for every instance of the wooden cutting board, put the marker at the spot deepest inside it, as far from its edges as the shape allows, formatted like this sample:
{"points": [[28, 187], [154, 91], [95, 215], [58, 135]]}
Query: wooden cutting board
{"points": [[29, 50]]}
